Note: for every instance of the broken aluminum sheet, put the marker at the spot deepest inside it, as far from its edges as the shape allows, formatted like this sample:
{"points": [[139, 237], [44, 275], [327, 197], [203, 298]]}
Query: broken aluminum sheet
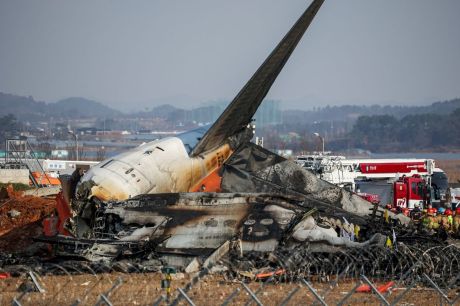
{"points": [[197, 223], [255, 169]]}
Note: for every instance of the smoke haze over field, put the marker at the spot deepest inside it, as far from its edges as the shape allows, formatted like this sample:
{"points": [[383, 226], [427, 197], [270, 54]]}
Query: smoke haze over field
{"points": [[132, 55]]}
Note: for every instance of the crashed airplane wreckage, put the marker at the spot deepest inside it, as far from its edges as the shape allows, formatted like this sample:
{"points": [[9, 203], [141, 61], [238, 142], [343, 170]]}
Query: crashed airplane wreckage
{"points": [[150, 203], [264, 200]]}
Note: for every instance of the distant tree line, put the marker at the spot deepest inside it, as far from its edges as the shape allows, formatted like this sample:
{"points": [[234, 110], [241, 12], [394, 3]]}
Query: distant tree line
{"points": [[9, 127], [411, 132], [352, 112], [374, 127]]}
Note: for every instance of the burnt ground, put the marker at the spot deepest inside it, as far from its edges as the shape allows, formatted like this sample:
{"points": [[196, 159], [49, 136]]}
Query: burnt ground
{"points": [[144, 289]]}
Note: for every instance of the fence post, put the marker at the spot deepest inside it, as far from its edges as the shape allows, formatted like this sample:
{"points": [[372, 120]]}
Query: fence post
{"points": [[254, 297], [248, 303], [104, 296], [346, 297], [375, 290], [289, 296], [231, 297], [189, 286], [16, 302], [36, 283], [189, 301], [159, 300], [334, 283], [399, 297], [318, 297], [433, 284], [106, 300]]}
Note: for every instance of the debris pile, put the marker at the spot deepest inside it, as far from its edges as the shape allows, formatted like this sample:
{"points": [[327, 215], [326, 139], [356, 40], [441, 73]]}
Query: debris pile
{"points": [[20, 218], [250, 236]]}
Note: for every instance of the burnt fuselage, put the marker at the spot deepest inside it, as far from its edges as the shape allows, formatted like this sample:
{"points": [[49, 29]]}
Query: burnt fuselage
{"points": [[194, 222], [156, 167]]}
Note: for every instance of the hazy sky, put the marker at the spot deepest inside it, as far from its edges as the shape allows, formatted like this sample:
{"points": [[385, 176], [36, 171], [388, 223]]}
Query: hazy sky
{"points": [[133, 54]]}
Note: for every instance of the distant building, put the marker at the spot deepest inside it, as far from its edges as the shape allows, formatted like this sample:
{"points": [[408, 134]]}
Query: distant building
{"points": [[284, 153], [87, 131], [269, 113], [59, 153]]}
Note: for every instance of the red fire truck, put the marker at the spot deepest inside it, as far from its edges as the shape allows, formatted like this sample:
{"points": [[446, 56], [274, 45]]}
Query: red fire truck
{"points": [[409, 191], [399, 182]]}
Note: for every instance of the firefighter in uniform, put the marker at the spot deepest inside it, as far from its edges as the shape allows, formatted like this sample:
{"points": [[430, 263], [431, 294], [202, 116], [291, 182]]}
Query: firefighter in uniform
{"points": [[424, 212], [426, 221], [425, 218], [446, 220], [438, 218], [434, 222], [456, 220], [429, 219], [416, 214], [405, 212]]}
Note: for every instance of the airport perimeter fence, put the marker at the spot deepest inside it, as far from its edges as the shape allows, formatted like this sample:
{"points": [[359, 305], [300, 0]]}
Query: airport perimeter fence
{"points": [[108, 286]]}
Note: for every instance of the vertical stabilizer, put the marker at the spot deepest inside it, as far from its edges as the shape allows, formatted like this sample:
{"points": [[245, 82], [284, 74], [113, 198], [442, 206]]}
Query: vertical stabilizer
{"points": [[243, 107]]}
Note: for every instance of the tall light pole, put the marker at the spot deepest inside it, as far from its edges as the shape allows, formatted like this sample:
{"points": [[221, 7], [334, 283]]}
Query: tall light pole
{"points": [[76, 142], [322, 140]]}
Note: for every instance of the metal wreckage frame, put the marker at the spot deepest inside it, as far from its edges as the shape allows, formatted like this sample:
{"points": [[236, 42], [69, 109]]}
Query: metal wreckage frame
{"points": [[270, 214]]}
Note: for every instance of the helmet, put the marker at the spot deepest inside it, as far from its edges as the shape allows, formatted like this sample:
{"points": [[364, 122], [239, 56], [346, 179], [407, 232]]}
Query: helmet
{"points": [[441, 210], [448, 212], [432, 211], [457, 210], [405, 211]]}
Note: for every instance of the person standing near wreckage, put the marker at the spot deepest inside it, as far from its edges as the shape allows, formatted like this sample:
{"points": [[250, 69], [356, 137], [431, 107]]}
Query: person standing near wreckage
{"points": [[74, 179], [416, 213], [448, 203], [456, 220]]}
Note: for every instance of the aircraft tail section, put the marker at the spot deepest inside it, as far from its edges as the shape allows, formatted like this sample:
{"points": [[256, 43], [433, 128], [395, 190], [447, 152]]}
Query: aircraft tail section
{"points": [[239, 113]]}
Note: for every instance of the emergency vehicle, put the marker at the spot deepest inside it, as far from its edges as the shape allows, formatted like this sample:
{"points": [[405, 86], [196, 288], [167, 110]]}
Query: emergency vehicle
{"points": [[399, 182]]}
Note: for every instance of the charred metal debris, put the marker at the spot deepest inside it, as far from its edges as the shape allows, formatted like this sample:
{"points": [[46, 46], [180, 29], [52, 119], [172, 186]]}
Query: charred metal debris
{"points": [[272, 216], [246, 235]]}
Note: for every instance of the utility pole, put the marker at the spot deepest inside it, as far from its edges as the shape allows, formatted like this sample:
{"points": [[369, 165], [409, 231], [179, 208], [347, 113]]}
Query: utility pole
{"points": [[76, 143], [322, 140]]}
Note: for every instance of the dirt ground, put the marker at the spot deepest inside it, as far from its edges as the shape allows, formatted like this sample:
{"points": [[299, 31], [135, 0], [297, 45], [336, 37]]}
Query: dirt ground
{"points": [[452, 169], [16, 232], [145, 289]]}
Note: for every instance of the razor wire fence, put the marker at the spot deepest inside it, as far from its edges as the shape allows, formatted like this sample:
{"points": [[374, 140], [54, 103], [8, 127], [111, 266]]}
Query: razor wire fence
{"points": [[107, 285]]}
